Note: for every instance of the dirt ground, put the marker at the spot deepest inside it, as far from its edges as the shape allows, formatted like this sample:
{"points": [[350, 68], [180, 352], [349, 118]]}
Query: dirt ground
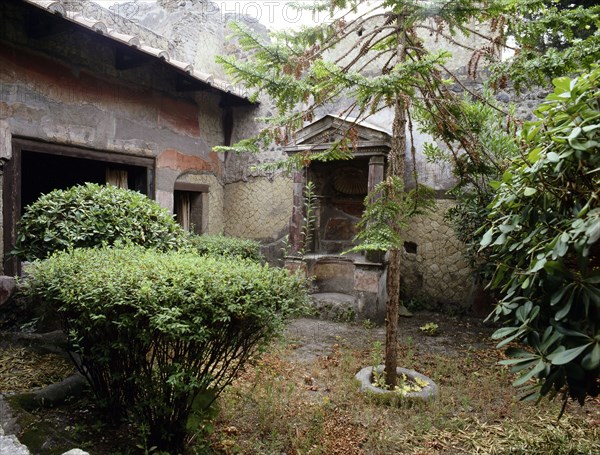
{"points": [[314, 338], [311, 340]]}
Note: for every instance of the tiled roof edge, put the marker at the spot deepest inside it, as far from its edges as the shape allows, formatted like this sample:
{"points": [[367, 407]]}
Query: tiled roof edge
{"points": [[58, 8]]}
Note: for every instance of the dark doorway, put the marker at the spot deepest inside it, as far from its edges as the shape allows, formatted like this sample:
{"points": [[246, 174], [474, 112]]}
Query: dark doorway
{"points": [[187, 209], [190, 206], [38, 168], [340, 187], [43, 172]]}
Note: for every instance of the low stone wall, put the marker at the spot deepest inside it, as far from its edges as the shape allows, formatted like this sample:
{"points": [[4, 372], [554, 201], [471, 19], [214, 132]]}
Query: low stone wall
{"points": [[434, 270]]}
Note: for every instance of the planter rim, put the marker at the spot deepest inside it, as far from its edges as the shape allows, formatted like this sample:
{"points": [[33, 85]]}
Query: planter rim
{"points": [[428, 392]]}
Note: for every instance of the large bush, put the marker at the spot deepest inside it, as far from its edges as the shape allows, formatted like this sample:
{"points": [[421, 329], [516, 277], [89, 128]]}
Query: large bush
{"points": [[159, 335], [90, 215], [544, 241]]}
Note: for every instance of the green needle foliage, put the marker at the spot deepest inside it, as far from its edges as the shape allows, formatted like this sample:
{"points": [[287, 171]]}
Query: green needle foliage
{"points": [[385, 66], [544, 242], [388, 210], [159, 335]]}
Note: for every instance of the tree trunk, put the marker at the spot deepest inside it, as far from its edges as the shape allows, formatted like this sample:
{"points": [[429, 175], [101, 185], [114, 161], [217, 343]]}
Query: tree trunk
{"points": [[396, 168], [391, 321]]}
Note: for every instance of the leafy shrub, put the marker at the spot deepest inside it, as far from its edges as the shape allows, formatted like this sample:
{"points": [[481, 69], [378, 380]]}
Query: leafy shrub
{"points": [[229, 247], [467, 218], [159, 335], [89, 215], [544, 241]]}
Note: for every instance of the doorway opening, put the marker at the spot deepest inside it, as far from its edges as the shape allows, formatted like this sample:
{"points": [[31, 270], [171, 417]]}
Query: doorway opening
{"points": [[37, 168]]}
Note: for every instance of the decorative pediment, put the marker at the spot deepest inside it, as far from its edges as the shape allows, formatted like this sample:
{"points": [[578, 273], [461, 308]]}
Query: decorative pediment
{"points": [[367, 139]]}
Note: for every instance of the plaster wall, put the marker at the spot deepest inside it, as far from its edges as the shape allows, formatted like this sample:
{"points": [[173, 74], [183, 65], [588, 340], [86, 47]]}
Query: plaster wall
{"points": [[42, 99], [46, 99]]}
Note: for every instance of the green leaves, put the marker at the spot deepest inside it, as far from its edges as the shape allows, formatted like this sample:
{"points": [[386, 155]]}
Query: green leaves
{"points": [[549, 205], [563, 356], [220, 246], [91, 215], [487, 237], [554, 39], [592, 360], [160, 335]]}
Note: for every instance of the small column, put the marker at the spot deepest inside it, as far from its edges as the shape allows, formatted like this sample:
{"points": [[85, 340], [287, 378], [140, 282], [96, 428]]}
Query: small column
{"points": [[376, 171], [376, 174], [295, 235]]}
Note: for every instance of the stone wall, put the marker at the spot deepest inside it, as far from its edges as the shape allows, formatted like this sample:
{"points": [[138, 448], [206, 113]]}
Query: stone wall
{"points": [[258, 208], [434, 271]]}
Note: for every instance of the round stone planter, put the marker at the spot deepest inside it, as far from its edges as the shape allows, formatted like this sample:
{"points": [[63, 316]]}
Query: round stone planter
{"points": [[365, 377]]}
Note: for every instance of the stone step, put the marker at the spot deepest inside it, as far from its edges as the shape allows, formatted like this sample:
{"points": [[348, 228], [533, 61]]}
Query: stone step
{"points": [[335, 306]]}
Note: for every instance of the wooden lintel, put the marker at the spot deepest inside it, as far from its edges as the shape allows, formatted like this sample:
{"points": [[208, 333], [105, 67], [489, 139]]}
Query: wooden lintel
{"points": [[195, 187]]}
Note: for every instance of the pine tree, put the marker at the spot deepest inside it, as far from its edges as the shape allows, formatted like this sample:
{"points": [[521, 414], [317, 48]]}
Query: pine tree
{"points": [[296, 69], [388, 66]]}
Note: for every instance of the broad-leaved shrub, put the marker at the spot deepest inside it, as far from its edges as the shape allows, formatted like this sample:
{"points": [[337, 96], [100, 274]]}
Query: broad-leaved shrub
{"points": [[159, 335], [544, 241], [89, 215]]}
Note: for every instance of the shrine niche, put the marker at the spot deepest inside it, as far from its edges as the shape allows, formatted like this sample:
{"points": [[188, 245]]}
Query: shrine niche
{"points": [[340, 188]]}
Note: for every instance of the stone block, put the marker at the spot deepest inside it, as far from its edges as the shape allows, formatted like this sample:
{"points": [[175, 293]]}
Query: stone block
{"points": [[335, 306], [366, 280], [8, 286], [11, 445], [334, 275]]}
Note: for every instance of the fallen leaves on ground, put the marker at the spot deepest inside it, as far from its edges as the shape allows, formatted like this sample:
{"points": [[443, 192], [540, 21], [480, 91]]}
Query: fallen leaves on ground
{"points": [[22, 370]]}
